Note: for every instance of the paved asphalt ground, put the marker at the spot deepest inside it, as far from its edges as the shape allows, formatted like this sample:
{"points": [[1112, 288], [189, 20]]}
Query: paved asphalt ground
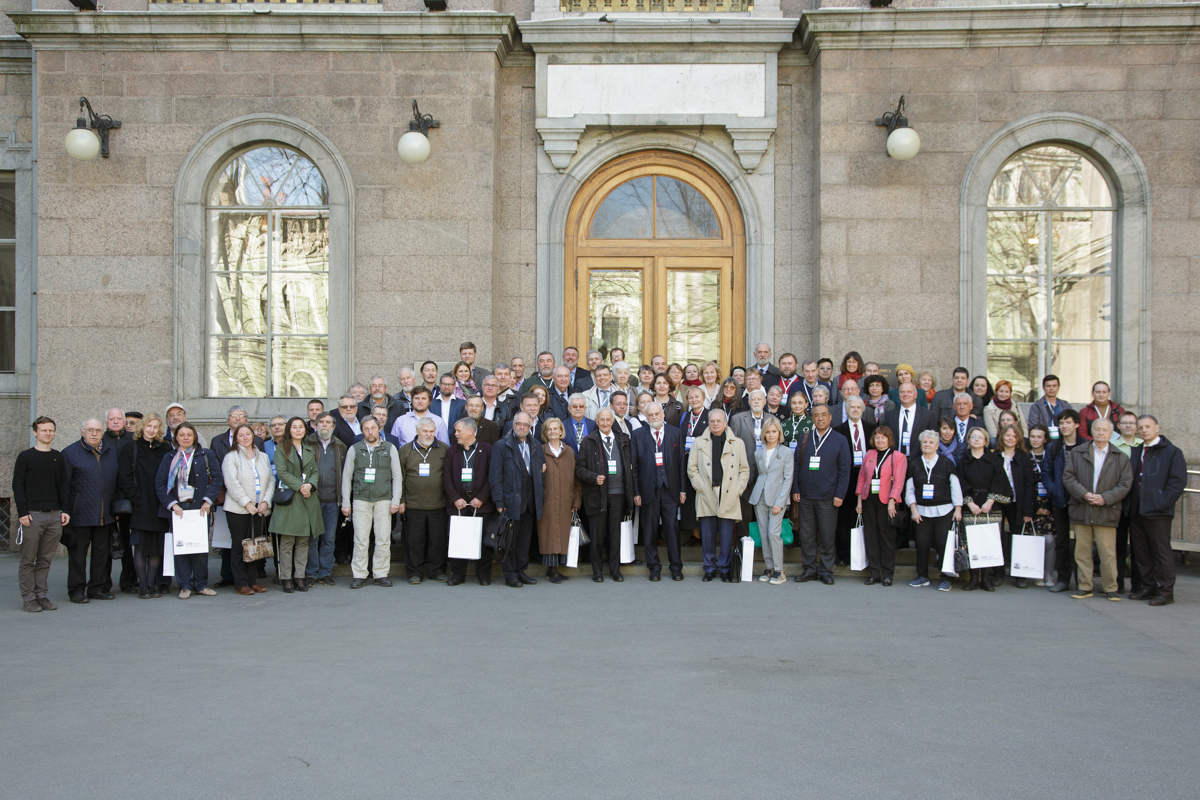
{"points": [[617, 690]]}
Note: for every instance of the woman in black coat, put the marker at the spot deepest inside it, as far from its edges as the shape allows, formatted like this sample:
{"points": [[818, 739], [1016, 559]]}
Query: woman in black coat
{"points": [[605, 508], [1018, 479], [137, 469], [979, 472], [691, 424]]}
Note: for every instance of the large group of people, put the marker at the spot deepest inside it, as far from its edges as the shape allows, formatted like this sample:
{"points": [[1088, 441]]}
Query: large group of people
{"points": [[791, 454]]}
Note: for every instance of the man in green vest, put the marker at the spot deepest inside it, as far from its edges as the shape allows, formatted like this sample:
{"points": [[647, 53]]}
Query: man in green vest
{"points": [[372, 477]]}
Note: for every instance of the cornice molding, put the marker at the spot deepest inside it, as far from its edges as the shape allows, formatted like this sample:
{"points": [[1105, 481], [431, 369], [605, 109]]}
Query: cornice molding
{"points": [[634, 32], [999, 26]]}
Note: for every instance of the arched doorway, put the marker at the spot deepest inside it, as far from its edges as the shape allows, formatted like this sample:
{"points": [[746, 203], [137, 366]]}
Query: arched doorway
{"points": [[655, 262]]}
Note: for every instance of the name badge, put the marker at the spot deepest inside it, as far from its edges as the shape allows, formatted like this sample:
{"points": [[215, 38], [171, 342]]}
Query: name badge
{"points": [[1041, 489], [186, 493], [612, 466], [369, 475], [858, 459], [468, 474], [927, 491], [1053, 431], [688, 442], [814, 462], [423, 470], [792, 446], [758, 443], [874, 485], [658, 459], [906, 438]]}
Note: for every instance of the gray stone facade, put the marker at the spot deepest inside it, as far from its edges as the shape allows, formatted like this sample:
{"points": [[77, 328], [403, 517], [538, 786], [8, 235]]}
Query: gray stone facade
{"points": [[845, 248]]}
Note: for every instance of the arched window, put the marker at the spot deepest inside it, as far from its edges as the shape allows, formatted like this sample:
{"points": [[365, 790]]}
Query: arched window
{"points": [[1050, 272], [268, 276]]}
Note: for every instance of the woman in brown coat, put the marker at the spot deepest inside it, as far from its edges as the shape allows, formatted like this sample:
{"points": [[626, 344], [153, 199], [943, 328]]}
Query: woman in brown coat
{"points": [[562, 498]]}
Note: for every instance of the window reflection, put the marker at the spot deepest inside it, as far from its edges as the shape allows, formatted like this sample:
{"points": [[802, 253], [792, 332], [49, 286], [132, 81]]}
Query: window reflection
{"points": [[655, 207]]}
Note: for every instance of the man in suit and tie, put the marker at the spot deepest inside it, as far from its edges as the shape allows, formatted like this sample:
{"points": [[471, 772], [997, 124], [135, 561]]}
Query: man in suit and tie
{"points": [[908, 420], [858, 433], [787, 380], [466, 354], [963, 422], [600, 395], [810, 381], [446, 405], [577, 425], [659, 467], [766, 370], [578, 378], [560, 393], [346, 426], [849, 389], [619, 403], [515, 475]]}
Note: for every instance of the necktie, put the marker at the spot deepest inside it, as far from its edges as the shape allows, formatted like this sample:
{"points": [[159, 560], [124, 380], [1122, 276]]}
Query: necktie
{"points": [[604, 399], [962, 429], [904, 432], [857, 446], [658, 440], [578, 431], [525, 455]]}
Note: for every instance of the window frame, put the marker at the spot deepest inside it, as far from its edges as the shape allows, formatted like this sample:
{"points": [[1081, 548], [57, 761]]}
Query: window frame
{"points": [[17, 157], [200, 168]]}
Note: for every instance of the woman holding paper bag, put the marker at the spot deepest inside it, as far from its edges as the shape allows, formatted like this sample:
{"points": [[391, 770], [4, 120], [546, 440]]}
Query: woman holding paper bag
{"points": [[189, 480], [561, 499], [1019, 483], [983, 487], [880, 488], [770, 497], [300, 519], [935, 498], [249, 487]]}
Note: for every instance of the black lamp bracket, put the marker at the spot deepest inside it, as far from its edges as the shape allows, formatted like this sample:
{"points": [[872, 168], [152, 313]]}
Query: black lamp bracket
{"points": [[420, 122], [101, 123], [894, 119]]}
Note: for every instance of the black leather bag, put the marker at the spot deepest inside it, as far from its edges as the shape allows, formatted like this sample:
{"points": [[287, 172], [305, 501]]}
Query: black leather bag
{"points": [[122, 507], [116, 545], [283, 495], [398, 530], [501, 538]]}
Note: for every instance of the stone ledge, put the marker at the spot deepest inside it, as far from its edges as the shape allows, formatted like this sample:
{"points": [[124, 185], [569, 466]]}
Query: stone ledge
{"points": [[626, 32], [999, 26], [461, 31]]}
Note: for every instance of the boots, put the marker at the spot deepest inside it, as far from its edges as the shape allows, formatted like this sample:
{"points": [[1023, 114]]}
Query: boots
{"points": [[973, 583]]}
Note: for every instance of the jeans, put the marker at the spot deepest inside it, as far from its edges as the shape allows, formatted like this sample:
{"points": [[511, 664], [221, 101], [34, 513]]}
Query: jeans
{"points": [[38, 546], [710, 529], [320, 552]]}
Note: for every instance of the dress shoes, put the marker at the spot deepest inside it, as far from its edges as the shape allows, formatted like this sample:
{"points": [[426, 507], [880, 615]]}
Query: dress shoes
{"points": [[287, 586], [708, 576], [258, 589], [870, 581], [440, 577], [454, 581], [1163, 599], [555, 579], [485, 582], [655, 577], [358, 583], [382, 582], [1145, 593], [887, 581], [972, 584], [827, 580], [301, 586], [244, 590], [805, 577], [618, 577], [46, 604], [513, 582], [676, 576], [78, 598], [986, 585], [597, 578], [100, 595], [414, 580], [726, 577], [221, 584], [525, 579], [144, 594], [1022, 583]]}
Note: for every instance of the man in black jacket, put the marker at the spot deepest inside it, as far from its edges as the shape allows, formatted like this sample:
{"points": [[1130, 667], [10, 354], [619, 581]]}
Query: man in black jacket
{"points": [[908, 420], [1159, 477], [40, 493], [115, 435], [659, 468], [515, 474], [605, 469], [91, 466], [379, 396]]}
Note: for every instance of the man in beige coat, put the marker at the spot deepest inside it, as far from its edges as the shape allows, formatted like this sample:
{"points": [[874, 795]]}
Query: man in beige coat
{"points": [[1096, 479], [719, 483]]}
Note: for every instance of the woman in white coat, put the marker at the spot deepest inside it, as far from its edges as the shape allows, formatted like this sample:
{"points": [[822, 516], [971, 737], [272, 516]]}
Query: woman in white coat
{"points": [[249, 489], [770, 497]]}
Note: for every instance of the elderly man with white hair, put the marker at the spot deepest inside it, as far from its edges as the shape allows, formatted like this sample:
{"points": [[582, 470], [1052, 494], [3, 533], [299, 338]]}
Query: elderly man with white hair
{"points": [[659, 466], [91, 466], [719, 472], [423, 502], [858, 431], [747, 426]]}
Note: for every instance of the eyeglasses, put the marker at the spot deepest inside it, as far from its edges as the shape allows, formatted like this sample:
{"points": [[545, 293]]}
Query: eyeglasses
{"points": [[93, 430]]}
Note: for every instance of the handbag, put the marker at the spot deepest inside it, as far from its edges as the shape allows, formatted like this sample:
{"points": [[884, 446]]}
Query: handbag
{"points": [[398, 530], [283, 495], [903, 517], [116, 546], [121, 507], [256, 548]]}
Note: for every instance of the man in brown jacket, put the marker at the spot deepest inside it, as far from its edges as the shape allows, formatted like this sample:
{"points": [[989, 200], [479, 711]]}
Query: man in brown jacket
{"points": [[1096, 479]]}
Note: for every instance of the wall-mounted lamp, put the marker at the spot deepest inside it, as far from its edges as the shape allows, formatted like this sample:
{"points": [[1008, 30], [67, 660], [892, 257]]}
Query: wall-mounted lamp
{"points": [[903, 142], [90, 136], [414, 145]]}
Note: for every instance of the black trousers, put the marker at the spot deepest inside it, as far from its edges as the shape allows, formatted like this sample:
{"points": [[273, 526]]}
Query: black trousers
{"points": [[605, 530], [517, 560], [242, 526], [1064, 545], [661, 510], [879, 538], [78, 539], [1124, 551], [129, 577], [426, 540], [1151, 540], [483, 567], [931, 533], [818, 529]]}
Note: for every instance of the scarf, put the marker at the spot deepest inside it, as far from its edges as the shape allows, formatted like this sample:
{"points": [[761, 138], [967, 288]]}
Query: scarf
{"points": [[929, 393], [850, 376], [876, 402], [177, 466], [696, 382], [1003, 405]]}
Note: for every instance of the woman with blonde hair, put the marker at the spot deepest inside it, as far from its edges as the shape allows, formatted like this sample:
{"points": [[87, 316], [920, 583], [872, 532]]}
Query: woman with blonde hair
{"points": [[1001, 401], [562, 497], [137, 469], [710, 382]]}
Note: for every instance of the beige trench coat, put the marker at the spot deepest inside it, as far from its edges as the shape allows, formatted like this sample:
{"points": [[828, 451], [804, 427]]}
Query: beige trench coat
{"points": [[735, 476]]}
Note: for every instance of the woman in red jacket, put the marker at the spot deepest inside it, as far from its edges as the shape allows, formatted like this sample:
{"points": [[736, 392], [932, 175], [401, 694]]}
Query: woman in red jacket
{"points": [[880, 493]]}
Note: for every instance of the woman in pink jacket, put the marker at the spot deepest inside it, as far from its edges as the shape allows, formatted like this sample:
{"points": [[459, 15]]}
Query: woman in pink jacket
{"points": [[880, 492]]}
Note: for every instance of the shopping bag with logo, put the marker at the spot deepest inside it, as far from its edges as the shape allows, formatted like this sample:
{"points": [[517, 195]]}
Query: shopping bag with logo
{"points": [[628, 540], [747, 567], [983, 543], [573, 542], [858, 546], [466, 537], [948, 566], [190, 532], [1028, 556]]}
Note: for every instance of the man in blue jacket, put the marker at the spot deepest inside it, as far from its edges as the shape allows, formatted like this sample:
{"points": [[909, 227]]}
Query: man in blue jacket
{"points": [[91, 466], [821, 478], [1067, 424], [1159, 477]]}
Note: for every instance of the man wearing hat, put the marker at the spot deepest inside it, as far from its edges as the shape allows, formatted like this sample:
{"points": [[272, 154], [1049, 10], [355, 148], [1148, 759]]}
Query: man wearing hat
{"points": [[132, 418], [175, 416]]}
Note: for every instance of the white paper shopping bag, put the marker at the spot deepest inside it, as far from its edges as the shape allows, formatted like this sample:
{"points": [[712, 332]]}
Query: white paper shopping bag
{"points": [[190, 532], [573, 546], [466, 537], [983, 544], [220, 536], [948, 554], [168, 561], [1028, 557], [747, 559], [858, 548], [628, 540]]}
